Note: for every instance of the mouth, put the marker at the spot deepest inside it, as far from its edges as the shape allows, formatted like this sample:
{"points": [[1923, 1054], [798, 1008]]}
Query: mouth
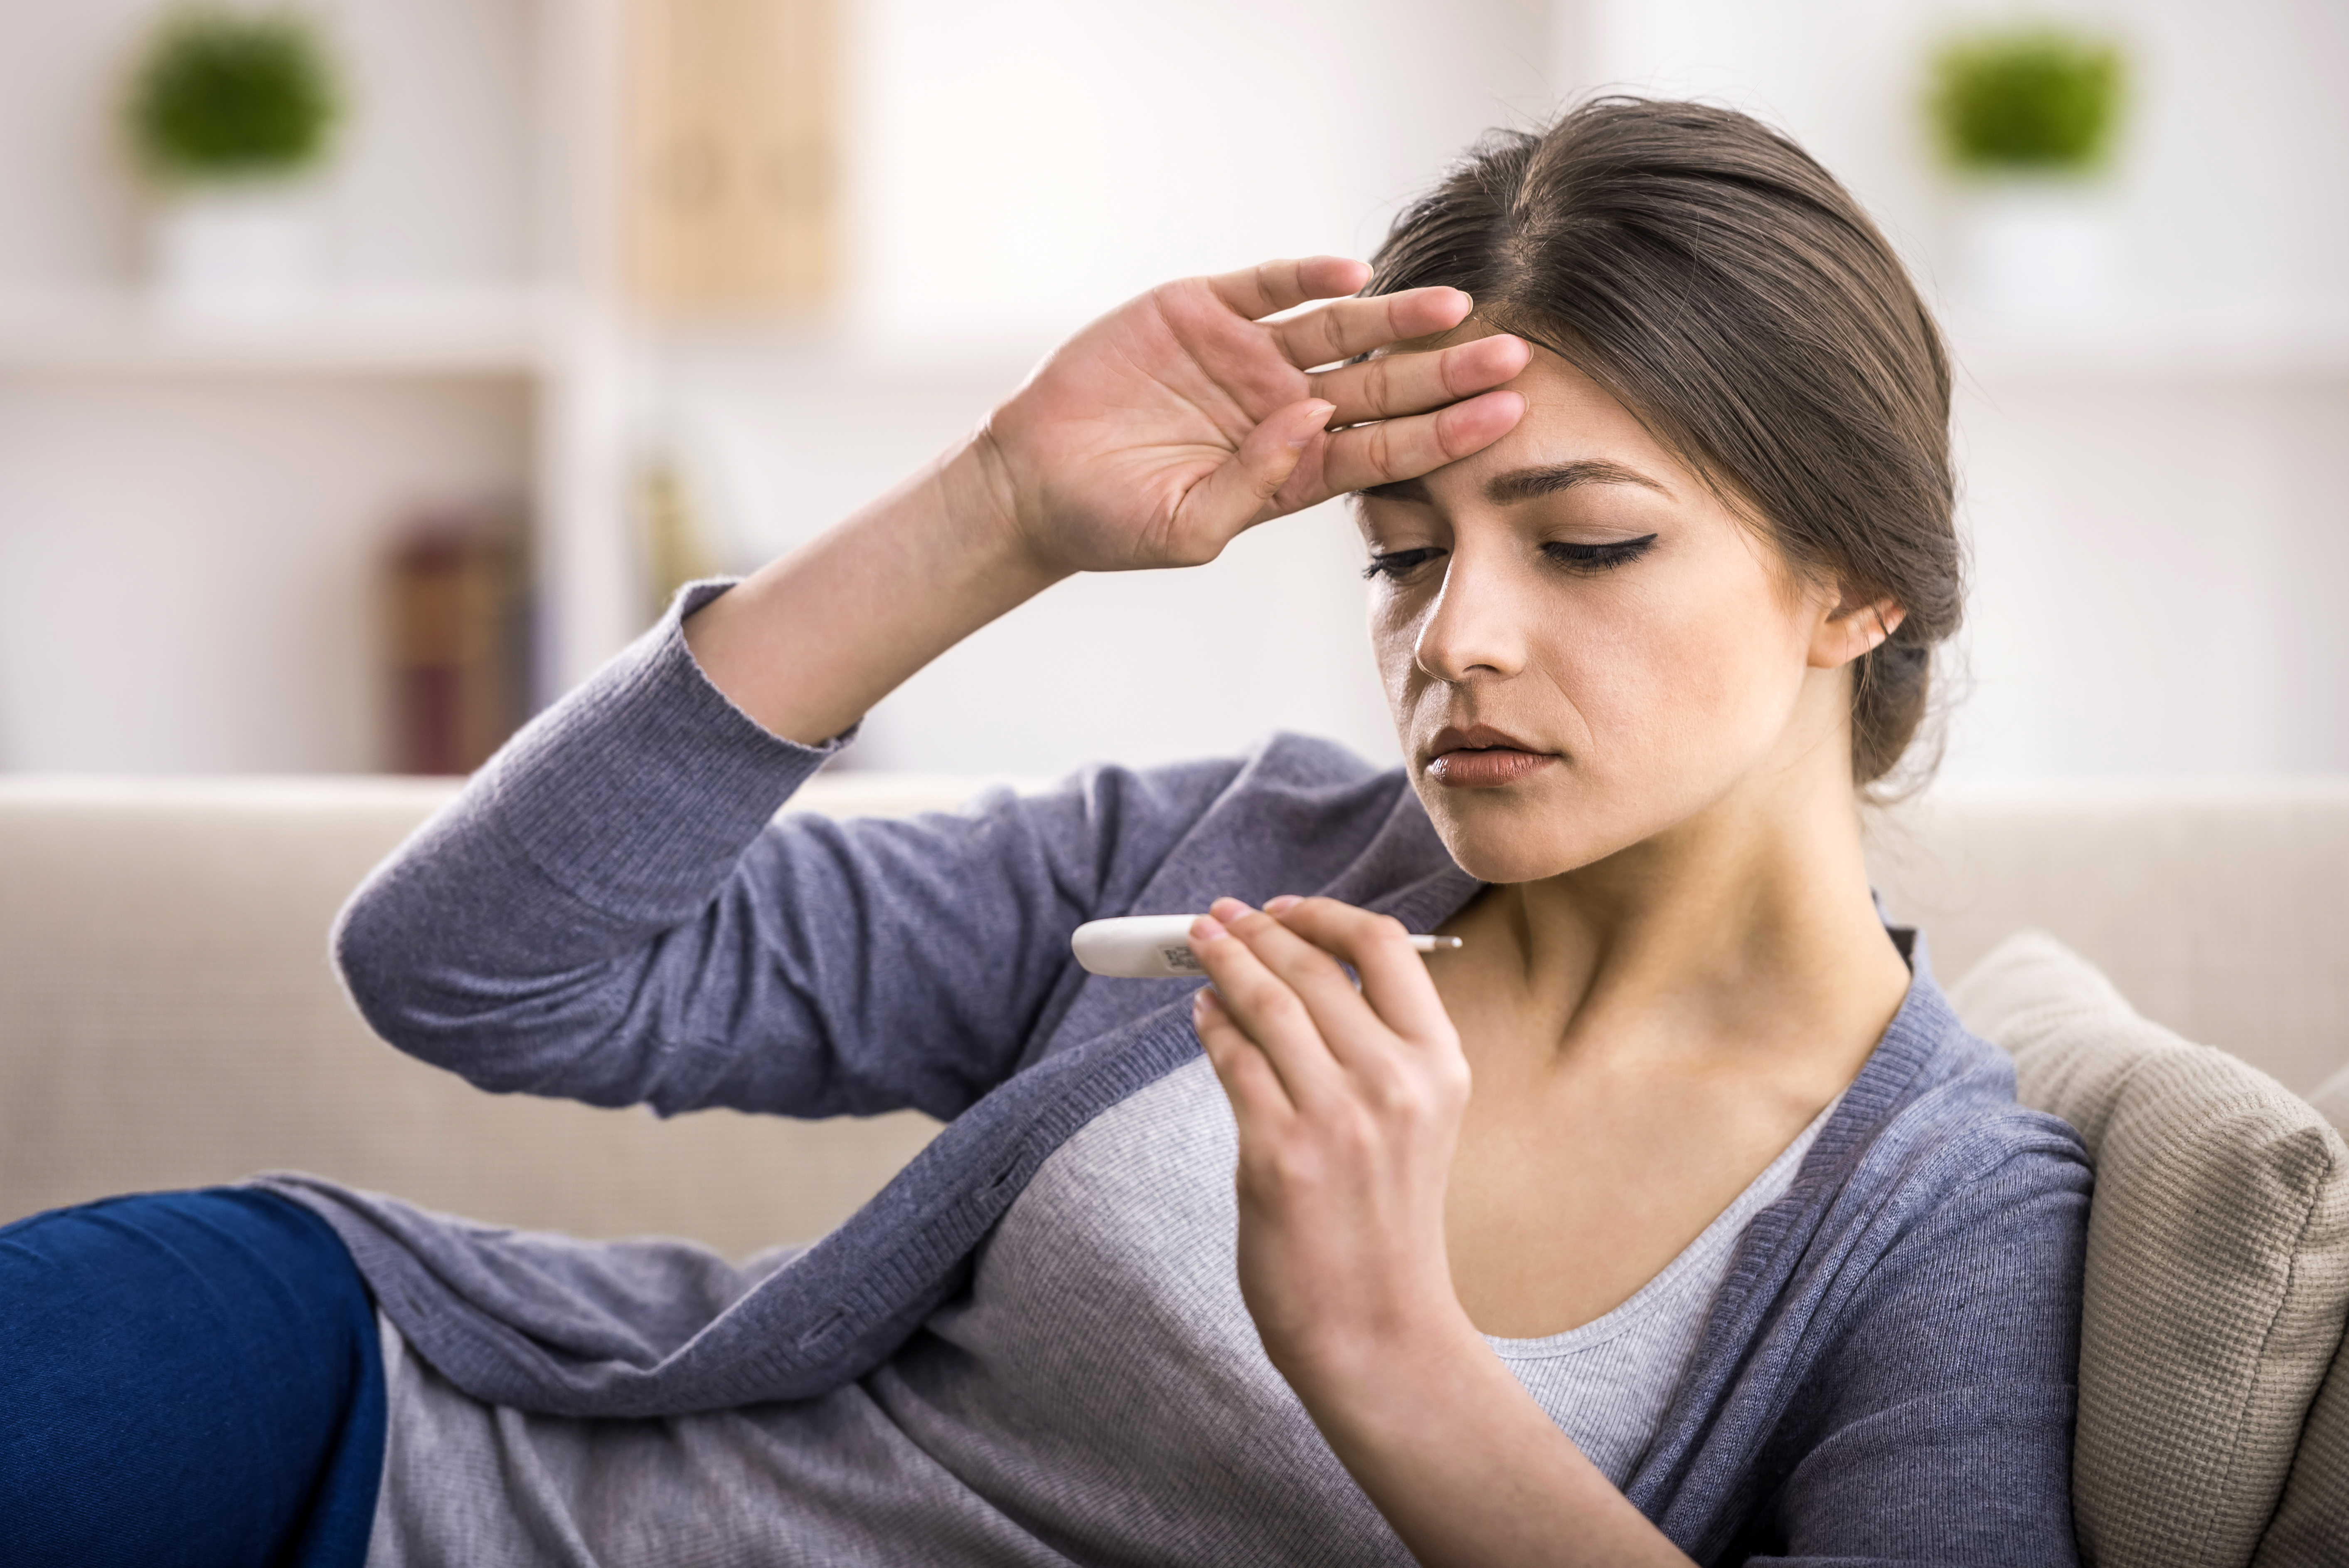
{"points": [[1482, 758]]}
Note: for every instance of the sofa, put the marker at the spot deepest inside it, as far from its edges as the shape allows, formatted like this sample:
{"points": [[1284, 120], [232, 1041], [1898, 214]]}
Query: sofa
{"points": [[2169, 965]]}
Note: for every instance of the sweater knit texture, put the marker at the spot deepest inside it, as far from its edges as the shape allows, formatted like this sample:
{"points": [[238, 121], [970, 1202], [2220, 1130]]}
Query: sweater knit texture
{"points": [[1100, 1396], [610, 911]]}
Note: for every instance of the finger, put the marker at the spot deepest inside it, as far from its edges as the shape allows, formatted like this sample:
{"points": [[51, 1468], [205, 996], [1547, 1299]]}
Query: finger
{"points": [[1219, 507], [1348, 1026], [1395, 384], [1269, 1013], [1354, 327], [1405, 448], [1395, 979], [1261, 290], [1259, 1104]]}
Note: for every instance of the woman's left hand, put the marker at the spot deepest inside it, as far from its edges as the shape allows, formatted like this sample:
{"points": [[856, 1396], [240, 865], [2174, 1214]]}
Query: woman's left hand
{"points": [[1348, 1105]]}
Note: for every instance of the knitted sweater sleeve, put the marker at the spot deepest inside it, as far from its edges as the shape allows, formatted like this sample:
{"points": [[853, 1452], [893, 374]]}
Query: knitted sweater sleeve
{"points": [[1937, 1427], [610, 911]]}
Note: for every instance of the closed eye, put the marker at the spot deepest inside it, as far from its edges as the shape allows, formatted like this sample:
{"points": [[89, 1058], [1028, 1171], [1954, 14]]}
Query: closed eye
{"points": [[1398, 563], [1597, 557]]}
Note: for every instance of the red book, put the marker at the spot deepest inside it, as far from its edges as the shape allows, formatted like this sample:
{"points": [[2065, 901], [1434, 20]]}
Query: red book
{"points": [[456, 644]]}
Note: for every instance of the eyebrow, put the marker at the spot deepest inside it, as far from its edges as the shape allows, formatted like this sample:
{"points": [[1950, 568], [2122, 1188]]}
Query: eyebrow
{"points": [[1525, 484]]}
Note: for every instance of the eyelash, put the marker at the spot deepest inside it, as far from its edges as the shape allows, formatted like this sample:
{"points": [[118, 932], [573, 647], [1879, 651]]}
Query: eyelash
{"points": [[1398, 563], [1589, 559], [1595, 558]]}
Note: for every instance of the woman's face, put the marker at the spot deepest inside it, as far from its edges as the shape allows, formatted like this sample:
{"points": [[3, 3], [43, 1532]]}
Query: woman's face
{"points": [[1584, 648]]}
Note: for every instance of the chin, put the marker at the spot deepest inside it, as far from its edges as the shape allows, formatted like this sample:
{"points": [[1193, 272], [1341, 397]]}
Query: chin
{"points": [[1520, 835]]}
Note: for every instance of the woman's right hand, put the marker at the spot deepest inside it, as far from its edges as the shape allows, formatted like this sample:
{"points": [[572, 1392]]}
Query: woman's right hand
{"points": [[1150, 439], [1164, 429]]}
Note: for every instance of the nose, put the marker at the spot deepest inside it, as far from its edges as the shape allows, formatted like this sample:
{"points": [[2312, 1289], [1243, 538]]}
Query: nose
{"points": [[1473, 630]]}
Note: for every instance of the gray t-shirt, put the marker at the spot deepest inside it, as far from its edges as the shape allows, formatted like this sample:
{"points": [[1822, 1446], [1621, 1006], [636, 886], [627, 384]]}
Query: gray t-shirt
{"points": [[1099, 1396]]}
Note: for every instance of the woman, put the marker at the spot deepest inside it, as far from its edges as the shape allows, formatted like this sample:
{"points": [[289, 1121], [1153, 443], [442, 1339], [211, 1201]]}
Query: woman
{"points": [[1672, 1216]]}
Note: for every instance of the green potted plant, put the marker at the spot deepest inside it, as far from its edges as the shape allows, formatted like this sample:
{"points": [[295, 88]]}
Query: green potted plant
{"points": [[2027, 119], [231, 113]]}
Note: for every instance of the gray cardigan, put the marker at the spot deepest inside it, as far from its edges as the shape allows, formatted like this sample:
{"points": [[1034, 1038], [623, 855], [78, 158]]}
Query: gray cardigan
{"points": [[610, 913]]}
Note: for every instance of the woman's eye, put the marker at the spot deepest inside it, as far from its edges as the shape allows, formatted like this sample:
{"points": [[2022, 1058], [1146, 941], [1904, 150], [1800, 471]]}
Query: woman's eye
{"points": [[1398, 563], [1599, 557]]}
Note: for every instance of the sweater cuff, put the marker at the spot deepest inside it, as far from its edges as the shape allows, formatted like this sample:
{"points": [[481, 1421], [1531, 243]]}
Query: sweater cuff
{"points": [[638, 791]]}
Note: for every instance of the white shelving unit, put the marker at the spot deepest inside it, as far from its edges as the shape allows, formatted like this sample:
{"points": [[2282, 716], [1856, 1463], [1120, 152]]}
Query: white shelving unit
{"points": [[465, 351], [447, 332]]}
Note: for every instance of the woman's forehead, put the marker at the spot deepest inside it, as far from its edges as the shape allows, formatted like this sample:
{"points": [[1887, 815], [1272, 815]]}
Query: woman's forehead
{"points": [[1572, 424]]}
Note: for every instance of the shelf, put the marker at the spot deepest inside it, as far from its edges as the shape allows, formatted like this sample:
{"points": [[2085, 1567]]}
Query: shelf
{"points": [[2247, 342], [479, 332]]}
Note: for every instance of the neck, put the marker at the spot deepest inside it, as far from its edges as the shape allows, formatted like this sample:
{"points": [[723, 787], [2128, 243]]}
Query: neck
{"points": [[1747, 924]]}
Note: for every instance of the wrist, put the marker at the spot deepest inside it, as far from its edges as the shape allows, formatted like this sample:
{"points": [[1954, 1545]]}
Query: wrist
{"points": [[810, 642], [1367, 1367], [981, 495]]}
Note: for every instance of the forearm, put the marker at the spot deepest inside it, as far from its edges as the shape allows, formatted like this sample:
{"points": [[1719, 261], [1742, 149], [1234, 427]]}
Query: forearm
{"points": [[1464, 1465], [810, 641]]}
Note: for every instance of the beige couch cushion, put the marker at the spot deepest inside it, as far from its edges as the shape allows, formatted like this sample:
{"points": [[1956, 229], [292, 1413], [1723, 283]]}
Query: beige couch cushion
{"points": [[2220, 910], [2311, 1522], [2217, 1270], [168, 1018]]}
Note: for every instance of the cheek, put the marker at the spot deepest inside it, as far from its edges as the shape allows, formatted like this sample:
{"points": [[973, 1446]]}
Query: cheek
{"points": [[1684, 677], [1394, 642]]}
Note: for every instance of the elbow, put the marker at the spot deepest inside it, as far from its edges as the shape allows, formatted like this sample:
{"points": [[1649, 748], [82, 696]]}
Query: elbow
{"points": [[447, 992], [382, 959], [420, 980]]}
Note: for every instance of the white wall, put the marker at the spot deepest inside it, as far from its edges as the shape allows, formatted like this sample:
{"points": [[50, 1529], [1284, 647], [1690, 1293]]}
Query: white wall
{"points": [[211, 604], [1017, 166]]}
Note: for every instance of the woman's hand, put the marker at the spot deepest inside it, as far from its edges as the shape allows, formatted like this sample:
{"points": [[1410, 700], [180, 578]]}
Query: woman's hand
{"points": [[1150, 439], [1158, 433], [1348, 1105]]}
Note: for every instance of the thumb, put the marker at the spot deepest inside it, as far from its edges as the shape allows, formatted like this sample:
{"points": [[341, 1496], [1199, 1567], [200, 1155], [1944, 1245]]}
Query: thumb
{"points": [[1236, 494]]}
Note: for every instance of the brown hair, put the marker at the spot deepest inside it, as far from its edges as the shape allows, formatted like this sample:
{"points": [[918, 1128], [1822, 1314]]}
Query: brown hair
{"points": [[1702, 268]]}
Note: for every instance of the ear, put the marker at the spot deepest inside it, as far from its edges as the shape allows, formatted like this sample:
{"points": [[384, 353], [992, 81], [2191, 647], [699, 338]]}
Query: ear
{"points": [[1852, 628]]}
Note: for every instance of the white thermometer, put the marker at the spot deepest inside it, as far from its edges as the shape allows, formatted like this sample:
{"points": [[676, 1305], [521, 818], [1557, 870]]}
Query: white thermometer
{"points": [[1158, 946]]}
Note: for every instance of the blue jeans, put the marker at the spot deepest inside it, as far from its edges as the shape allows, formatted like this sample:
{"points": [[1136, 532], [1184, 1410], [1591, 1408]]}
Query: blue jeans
{"points": [[186, 1377]]}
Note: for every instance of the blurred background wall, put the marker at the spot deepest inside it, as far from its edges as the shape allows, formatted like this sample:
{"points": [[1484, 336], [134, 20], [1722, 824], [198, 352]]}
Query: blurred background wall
{"points": [[218, 519]]}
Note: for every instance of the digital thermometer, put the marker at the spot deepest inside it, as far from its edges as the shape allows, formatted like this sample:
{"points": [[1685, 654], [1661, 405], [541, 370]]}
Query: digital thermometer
{"points": [[1158, 946]]}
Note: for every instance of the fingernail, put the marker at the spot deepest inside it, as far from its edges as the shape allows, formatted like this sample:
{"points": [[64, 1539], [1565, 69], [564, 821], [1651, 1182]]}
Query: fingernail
{"points": [[1303, 436], [1203, 1001], [1282, 904], [1205, 929], [1228, 910]]}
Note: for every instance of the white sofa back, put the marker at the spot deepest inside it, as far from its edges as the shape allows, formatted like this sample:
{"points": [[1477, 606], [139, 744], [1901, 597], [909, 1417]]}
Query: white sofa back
{"points": [[167, 1016]]}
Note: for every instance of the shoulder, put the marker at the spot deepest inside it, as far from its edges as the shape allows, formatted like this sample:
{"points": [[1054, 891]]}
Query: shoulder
{"points": [[1964, 1127], [1963, 1206], [1939, 1185], [1936, 1107]]}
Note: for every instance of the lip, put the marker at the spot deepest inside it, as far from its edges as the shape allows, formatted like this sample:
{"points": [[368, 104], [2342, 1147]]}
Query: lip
{"points": [[1480, 756]]}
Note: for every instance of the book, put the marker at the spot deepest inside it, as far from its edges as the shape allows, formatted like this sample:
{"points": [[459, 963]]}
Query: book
{"points": [[458, 618]]}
